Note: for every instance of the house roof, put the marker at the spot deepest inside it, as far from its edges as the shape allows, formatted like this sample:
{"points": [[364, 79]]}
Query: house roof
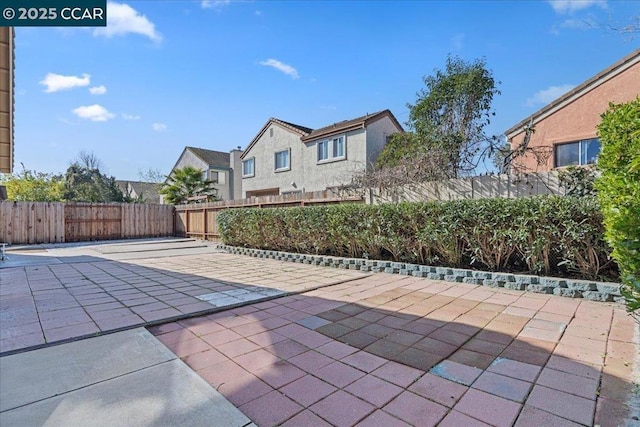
{"points": [[211, 157], [308, 134], [300, 130], [590, 84], [348, 125], [149, 190]]}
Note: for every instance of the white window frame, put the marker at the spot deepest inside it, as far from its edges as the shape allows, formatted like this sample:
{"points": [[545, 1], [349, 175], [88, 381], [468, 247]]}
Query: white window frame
{"points": [[275, 161], [331, 144], [253, 167], [581, 147], [344, 147], [323, 146]]}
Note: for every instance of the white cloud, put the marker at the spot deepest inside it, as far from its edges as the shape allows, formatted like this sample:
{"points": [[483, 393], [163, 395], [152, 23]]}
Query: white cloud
{"points": [[130, 116], [570, 6], [57, 82], [159, 127], [210, 4], [123, 19], [95, 113], [458, 41], [281, 66], [545, 96], [98, 90]]}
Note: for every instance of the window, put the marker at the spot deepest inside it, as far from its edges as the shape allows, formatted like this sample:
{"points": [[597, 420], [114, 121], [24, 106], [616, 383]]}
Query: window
{"points": [[248, 167], [271, 132], [282, 160], [338, 147], [583, 152], [335, 146], [323, 150]]}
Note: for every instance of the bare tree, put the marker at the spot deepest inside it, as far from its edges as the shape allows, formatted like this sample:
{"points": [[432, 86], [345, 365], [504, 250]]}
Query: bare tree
{"points": [[88, 160], [152, 175]]}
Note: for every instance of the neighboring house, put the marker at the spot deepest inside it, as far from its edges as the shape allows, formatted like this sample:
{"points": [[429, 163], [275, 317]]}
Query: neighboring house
{"points": [[144, 192], [222, 168], [287, 158], [6, 98], [565, 130]]}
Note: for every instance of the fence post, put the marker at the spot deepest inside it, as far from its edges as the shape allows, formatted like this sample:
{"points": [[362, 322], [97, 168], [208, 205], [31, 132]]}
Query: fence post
{"points": [[204, 226]]}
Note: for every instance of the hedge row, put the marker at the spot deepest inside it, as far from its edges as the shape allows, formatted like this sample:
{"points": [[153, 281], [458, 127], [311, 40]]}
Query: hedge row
{"points": [[619, 192], [540, 235]]}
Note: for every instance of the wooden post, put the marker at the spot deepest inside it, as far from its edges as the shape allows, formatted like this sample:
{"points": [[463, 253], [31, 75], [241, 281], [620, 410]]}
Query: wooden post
{"points": [[204, 226]]}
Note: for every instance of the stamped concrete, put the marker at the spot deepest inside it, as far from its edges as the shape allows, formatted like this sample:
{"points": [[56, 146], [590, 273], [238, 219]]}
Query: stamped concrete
{"points": [[126, 378]]}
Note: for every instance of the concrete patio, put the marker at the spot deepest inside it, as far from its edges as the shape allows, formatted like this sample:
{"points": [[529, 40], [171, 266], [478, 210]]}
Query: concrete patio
{"points": [[343, 348]]}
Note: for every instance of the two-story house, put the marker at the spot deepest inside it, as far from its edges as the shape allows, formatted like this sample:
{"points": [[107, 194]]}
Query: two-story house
{"points": [[566, 129], [288, 158], [220, 167]]}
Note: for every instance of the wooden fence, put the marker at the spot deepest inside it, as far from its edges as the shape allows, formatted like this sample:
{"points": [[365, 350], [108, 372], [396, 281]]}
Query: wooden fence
{"points": [[42, 222], [200, 220]]}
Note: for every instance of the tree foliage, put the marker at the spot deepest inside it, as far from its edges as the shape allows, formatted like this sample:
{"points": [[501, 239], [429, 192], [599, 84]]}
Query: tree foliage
{"points": [[449, 118], [84, 182], [619, 192], [188, 185], [33, 186]]}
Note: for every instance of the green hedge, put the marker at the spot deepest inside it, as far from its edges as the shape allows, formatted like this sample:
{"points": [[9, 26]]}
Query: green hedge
{"points": [[543, 234], [619, 192]]}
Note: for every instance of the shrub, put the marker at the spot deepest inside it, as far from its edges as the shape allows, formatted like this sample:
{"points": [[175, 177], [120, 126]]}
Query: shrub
{"points": [[578, 181], [542, 234], [619, 192]]}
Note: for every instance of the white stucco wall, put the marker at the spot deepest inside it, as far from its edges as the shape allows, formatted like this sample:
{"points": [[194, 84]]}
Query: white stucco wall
{"points": [[377, 133], [236, 172], [320, 175], [362, 148], [263, 151]]}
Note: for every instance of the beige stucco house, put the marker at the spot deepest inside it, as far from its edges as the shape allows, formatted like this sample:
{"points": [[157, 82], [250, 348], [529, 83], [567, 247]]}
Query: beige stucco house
{"points": [[220, 167], [565, 130], [288, 158], [6, 98]]}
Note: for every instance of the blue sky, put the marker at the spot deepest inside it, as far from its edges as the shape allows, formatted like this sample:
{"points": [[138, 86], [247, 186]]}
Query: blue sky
{"points": [[165, 74]]}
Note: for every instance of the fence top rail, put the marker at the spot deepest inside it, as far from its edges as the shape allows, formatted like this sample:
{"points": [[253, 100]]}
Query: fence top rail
{"points": [[317, 197]]}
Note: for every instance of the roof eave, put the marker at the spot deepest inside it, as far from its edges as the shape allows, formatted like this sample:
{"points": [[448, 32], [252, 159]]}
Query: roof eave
{"points": [[588, 85]]}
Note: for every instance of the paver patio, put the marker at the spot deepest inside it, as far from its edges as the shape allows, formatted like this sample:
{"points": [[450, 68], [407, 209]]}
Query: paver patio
{"points": [[393, 350], [48, 303], [377, 349]]}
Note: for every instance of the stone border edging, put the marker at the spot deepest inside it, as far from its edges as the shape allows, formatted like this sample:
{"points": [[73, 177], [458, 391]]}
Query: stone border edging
{"points": [[570, 288]]}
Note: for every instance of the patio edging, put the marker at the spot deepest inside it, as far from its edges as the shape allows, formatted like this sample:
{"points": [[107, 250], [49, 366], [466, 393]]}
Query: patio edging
{"points": [[570, 288]]}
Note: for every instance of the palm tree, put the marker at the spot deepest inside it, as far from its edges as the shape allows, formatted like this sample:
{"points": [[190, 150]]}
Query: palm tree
{"points": [[187, 185]]}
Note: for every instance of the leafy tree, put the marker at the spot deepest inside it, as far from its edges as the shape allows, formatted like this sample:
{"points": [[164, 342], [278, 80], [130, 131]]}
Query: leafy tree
{"points": [[33, 186], [83, 182], [619, 192], [187, 185], [449, 118]]}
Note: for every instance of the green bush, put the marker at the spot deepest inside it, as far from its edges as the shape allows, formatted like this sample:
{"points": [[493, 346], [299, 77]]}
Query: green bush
{"points": [[543, 234], [619, 192]]}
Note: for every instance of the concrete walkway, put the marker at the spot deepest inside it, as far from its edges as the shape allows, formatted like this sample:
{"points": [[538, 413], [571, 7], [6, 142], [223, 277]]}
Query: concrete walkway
{"points": [[126, 379], [347, 349]]}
